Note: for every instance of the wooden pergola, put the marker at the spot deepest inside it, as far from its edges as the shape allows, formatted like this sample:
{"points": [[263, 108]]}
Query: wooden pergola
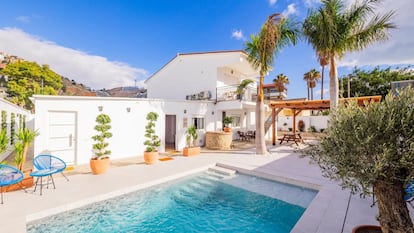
{"points": [[297, 106]]}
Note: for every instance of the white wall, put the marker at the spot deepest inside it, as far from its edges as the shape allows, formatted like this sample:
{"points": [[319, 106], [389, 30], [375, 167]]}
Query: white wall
{"points": [[127, 127], [320, 122]]}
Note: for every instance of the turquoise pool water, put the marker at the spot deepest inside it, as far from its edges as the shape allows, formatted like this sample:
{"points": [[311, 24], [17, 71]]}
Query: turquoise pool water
{"points": [[201, 203]]}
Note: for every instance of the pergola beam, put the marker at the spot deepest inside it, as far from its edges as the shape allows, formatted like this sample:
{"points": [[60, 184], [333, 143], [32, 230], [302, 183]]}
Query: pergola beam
{"points": [[298, 106]]}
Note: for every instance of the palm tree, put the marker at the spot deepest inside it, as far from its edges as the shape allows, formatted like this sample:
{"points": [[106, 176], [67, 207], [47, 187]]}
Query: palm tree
{"points": [[333, 30], [323, 61], [242, 87], [311, 78], [280, 82], [276, 33]]}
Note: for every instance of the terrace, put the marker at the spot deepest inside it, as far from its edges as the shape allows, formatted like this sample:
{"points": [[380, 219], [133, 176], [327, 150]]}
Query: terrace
{"points": [[332, 210], [229, 93]]}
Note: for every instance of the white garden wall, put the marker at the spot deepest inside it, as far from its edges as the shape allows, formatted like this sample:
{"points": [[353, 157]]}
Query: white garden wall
{"points": [[320, 122], [18, 112]]}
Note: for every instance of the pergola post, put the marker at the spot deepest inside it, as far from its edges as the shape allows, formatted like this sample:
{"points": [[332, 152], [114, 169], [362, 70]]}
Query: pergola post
{"points": [[295, 113], [274, 124]]}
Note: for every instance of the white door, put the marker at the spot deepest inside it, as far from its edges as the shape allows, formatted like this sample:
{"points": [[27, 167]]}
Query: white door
{"points": [[62, 136]]}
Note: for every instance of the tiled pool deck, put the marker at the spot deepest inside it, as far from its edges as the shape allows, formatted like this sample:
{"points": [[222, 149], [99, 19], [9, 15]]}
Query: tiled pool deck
{"points": [[328, 213]]}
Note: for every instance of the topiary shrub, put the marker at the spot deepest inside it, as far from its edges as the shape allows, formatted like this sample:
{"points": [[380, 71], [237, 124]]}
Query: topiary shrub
{"points": [[102, 128], [373, 146], [153, 141]]}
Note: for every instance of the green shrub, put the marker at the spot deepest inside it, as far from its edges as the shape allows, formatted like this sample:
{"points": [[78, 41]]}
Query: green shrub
{"points": [[153, 141], [103, 126]]}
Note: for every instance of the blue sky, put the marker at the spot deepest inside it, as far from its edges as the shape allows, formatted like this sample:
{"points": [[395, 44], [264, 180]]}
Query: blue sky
{"points": [[105, 44]]}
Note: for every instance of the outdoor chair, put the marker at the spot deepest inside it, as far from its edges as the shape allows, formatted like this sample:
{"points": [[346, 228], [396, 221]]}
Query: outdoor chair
{"points": [[45, 161], [47, 165], [9, 175], [409, 193]]}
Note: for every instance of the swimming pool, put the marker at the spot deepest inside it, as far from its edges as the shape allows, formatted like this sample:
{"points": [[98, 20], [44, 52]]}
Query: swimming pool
{"points": [[203, 202]]}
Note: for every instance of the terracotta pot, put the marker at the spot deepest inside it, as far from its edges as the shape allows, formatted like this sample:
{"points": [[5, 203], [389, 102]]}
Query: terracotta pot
{"points": [[99, 166], [151, 157], [190, 151], [367, 229], [227, 129]]}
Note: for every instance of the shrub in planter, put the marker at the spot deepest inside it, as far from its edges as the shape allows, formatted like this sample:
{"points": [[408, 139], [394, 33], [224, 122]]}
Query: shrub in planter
{"points": [[227, 121], [192, 148], [100, 161], [151, 153], [24, 138]]}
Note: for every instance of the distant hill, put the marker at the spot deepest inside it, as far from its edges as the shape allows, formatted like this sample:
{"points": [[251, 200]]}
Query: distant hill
{"points": [[71, 88]]}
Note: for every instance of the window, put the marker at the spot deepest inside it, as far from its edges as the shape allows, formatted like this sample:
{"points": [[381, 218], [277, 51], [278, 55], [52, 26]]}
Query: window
{"points": [[236, 121], [198, 122]]}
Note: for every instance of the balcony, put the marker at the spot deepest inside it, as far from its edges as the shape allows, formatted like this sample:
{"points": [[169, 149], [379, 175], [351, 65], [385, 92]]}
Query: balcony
{"points": [[229, 93]]}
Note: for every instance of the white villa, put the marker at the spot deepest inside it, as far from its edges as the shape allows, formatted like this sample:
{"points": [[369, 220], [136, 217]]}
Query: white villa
{"points": [[192, 89]]}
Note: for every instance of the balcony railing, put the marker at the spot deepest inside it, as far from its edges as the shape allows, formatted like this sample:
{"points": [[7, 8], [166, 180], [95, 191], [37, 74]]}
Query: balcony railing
{"points": [[228, 93]]}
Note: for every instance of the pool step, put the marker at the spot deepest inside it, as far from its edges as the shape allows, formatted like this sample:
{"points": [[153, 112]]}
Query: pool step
{"points": [[222, 171]]}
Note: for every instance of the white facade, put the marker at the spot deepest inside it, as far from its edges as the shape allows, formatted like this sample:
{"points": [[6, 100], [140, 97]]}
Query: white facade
{"points": [[66, 124], [192, 73], [177, 92]]}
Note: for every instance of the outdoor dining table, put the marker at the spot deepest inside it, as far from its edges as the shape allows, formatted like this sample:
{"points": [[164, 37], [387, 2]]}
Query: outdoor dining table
{"points": [[292, 137]]}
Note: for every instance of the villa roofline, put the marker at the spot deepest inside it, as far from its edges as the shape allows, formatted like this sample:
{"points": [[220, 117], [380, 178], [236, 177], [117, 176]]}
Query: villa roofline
{"points": [[98, 98], [193, 53]]}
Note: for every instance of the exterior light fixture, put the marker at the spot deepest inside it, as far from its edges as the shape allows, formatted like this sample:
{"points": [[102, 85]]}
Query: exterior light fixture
{"points": [[185, 111], [212, 113], [128, 109], [100, 108]]}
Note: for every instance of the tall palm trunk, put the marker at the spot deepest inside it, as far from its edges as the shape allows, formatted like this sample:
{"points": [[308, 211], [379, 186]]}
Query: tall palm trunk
{"points": [[311, 93], [323, 72], [333, 84], [260, 130], [308, 91]]}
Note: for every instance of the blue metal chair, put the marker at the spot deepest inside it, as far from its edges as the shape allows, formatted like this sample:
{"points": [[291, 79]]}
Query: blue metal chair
{"points": [[9, 175], [47, 165], [45, 161], [409, 193]]}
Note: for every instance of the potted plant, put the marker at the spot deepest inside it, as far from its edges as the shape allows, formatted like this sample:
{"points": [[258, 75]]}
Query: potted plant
{"points": [[227, 121], [151, 153], [370, 151], [99, 163], [24, 138], [192, 148]]}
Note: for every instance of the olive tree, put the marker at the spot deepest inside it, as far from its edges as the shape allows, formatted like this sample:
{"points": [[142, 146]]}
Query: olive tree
{"points": [[373, 146]]}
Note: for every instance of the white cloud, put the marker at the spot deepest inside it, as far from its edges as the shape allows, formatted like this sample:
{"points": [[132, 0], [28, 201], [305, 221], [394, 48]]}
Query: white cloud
{"points": [[237, 34], [94, 71], [272, 2], [23, 19], [399, 49], [291, 10], [311, 3]]}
